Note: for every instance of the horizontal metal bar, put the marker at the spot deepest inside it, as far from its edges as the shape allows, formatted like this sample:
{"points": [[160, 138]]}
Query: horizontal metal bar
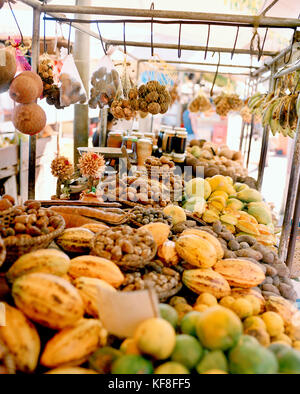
{"points": [[200, 64], [287, 70], [188, 47], [168, 14], [32, 3], [193, 70]]}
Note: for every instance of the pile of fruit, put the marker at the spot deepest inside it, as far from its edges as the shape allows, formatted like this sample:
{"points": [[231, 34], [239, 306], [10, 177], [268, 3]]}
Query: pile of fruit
{"points": [[215, 159]]}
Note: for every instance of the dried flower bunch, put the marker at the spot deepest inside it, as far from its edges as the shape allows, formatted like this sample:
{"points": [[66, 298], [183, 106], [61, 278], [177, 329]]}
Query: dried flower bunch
{"points": [[227, 102], [152, 97], [200, 104], [62, 168], [91, 165]]}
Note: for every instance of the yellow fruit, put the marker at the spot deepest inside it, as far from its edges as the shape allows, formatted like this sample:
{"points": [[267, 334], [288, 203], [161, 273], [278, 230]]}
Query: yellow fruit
{"points": [[183, 307], [242, 308], [210, 216], [218, 199], [219, 193], [167, 253], [283, 307], [255, 303], [206, 281], [75, 240], [71, 371], [200, 307], [283, 338], [227, 302], [219, 206], [177, 213], [254, 322], [21, 339], [159, 232], [230, 227], [155, 337], [296, 345], [95, 227], [96, 267], [239, 292], [88, 289], [274, 323], [247, 227], [214, 372], [198, 187], [48, 300], [207, 299], [240, 272], [49, 261], [196, 251], [244, 216], [210, 238], [229, 219], [73, 345], [129, 346], [260, 334]]}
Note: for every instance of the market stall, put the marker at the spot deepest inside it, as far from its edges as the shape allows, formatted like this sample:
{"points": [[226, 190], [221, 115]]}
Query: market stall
{"points": [[157, 253]]}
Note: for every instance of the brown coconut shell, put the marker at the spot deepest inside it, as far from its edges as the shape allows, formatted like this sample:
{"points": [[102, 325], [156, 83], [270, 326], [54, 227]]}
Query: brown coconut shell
{"points": [[8, 68], [29, 118], [26, 87]]}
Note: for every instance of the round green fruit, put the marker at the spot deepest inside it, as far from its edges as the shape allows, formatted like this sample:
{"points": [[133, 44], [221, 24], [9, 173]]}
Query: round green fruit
{"points": [[187, 351], [168, 313], [214, 360], [132, 364], [188, 323]]}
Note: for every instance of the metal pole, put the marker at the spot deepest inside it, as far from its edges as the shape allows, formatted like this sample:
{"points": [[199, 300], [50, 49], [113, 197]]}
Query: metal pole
{"points": [[81, 111], [188, 47], [103, 127], [168, 14], [291, 197], [242, 136], [200, 63], [265, 138], [35, 53], [250, 140], [294, 231], [288, 70]]}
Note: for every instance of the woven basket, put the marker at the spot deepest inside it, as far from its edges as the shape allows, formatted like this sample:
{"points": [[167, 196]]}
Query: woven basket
{"points": [[7, 217], [17, 246], [2, 251], [155, 171]]}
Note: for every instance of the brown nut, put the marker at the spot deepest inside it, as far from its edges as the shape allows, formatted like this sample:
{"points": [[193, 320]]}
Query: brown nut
{"points": [[54, 221], [20, 228], [5, 204], [9, 198], [33, 231], [22, 219], [33, 205], [42, 222], [32, 218]]}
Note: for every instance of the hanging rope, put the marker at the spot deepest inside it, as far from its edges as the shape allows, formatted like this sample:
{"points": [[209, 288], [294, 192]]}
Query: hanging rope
{"points": [[101, 40], [179, 41], [286, 61], [216, 74], [69, 38], [263, 45], [152, 50], [235, 41], [18, 26], [45, 45], [207, 41]]}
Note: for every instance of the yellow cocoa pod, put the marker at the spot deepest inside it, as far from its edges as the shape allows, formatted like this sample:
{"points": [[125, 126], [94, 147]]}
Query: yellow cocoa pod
{"points": [[73, 345], [88, 289], [49, 261], [210, 238], [71, 371], [21, 339], [96, 267], [196, 251], [206, 280], [95, 227], [240, 273], [48, 300], [159, 231], [75, 240]]}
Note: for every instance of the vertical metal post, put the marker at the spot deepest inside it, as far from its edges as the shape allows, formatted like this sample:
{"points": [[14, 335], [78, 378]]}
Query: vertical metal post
{"points": [[265, 139], [35, 53], [81, 111], [291, 197], [294, 230], [242, 136], [250, 140], [103, 127]]}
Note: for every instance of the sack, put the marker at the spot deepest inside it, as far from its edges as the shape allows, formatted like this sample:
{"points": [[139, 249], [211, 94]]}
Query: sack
{"points": [[71, 89], [106, 84]]}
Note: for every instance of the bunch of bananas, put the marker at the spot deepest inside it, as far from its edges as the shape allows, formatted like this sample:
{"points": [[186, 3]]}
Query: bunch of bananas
{"points": [[279, 111]]}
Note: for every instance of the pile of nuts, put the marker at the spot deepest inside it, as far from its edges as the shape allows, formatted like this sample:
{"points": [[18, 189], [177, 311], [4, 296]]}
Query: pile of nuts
{"points": [[166, 283], [46, 72], [149, 215], [30, 220], [106, 85], [164, 163], [129, 248]]}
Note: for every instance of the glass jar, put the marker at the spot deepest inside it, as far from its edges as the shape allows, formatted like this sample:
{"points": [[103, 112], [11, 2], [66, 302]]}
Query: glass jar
{"points": [[180, 140], [167, 144], [114, 139], [161, 135], [144, 150]]}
